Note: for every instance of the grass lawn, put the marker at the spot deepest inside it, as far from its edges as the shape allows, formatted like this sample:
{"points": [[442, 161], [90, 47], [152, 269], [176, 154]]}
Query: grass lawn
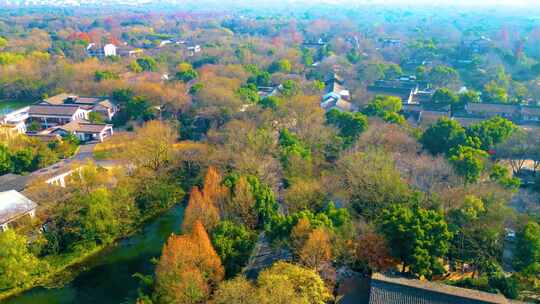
{"points": [[10, 105]]}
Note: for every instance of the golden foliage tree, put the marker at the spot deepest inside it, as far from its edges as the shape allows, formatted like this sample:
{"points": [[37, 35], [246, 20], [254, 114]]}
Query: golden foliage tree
{"points": [[151, 147], [317, 251], [236, 291], [242, 206], [288, 283], [299, 235], [199, 208], [283, 283], [213, 190]]}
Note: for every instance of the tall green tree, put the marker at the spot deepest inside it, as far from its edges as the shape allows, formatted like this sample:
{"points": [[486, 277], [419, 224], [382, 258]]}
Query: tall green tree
{"points": [[5, 160], [527, 254], [233, 244], [186, 72], [22, 160], [283, 66], [444, 97], [468, 162], [476, 233], [350, 125], [385, 107], [443, 76], [147, 63], [418, 237], [442, 136], [491, 132], [17, 264]]}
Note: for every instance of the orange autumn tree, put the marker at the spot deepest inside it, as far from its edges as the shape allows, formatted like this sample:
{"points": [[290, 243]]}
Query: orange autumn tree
{"points": [[213, 190], [207, 258], [317, 251], [189, 268], [200, 208]]}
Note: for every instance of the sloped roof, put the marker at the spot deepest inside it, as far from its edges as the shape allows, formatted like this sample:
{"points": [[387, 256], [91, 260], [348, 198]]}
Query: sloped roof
{"points": [[84, 127], [333, 102], [492, 108], [53, 110], [62, 99], [88, 100], [530, 111], [58, 99], [13, 182], [427, 116], [13, 204], [106, 104], [399, 290], [467, 121]]}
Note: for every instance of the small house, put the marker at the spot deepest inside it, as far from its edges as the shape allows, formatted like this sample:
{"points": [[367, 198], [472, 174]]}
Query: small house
{"points": [[194, 49], [337, 97], [94, 104], [85, 130], [99, 51], [12, 181], [13, 207], [54, 115]]}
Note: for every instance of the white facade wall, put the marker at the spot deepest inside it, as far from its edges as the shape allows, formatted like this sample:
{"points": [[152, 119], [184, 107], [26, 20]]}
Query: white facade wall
{"points": [[109, 50]]}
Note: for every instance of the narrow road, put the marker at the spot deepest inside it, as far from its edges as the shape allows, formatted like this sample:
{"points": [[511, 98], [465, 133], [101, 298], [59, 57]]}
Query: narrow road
{"points": [[85, 151]]}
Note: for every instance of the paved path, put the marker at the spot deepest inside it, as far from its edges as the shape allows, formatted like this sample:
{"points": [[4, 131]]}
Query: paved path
{"points": [[85, 151]]}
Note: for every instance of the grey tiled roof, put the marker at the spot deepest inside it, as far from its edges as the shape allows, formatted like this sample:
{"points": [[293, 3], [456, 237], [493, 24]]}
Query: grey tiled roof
{"points": [[54, 110], [493, 108], [13, 182], [530, 110], [84, 127], [397, 290]]}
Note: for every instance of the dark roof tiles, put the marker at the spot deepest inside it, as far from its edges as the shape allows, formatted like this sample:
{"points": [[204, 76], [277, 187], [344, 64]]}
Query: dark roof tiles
{"points": [[399, 290], [53, 110]]}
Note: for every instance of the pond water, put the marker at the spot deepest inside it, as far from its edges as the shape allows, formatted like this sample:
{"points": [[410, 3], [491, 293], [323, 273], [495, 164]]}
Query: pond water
{"points": [[108, 277]]}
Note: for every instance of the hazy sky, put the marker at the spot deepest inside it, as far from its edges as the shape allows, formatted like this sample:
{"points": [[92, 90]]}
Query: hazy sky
{"points": [[425, 3], [443, 2]]}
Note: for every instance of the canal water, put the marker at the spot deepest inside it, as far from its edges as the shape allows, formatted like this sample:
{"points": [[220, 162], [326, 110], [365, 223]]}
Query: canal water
{"points": [[108, 277]]}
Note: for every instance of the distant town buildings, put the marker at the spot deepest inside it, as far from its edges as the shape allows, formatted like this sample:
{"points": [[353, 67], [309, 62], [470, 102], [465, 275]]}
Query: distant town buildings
{"points": [[194, 49], [318, 43], [407, 88], [390, 42], [416, 97]]}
